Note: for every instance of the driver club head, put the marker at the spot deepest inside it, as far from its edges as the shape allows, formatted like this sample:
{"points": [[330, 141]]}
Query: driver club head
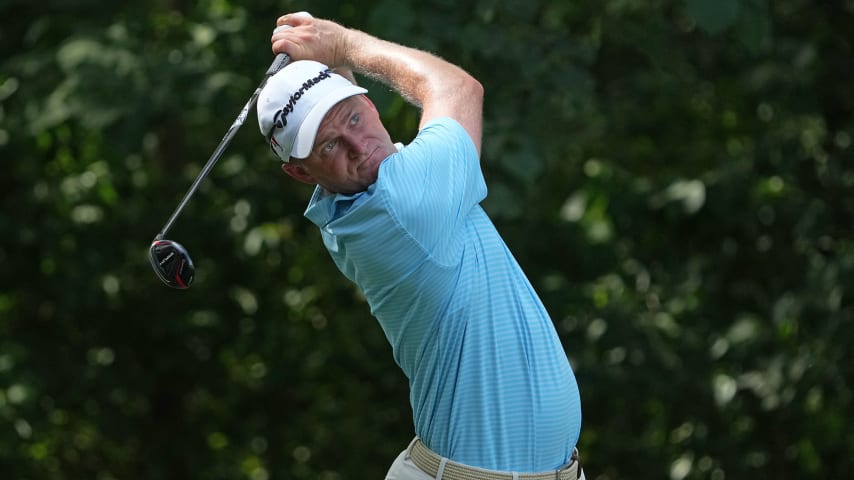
{"points": [[172, 263]]}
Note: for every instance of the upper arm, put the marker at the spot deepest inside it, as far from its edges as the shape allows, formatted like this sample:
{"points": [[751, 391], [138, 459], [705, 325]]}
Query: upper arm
{"points": [[460, 98], [434, 183]]}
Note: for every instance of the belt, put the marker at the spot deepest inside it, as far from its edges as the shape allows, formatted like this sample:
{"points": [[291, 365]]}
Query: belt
{"points": [[430, 462]]}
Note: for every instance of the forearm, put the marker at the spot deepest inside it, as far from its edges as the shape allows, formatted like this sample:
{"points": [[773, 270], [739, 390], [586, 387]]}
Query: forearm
{"points": [[418, 76], [436, 86]]}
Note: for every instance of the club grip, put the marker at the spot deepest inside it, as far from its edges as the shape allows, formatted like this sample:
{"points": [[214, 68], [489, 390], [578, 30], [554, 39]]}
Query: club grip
{"points": [[279, 63]]}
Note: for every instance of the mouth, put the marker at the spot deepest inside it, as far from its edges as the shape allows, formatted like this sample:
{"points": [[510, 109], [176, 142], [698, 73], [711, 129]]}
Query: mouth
{"points": [[370, 160]]}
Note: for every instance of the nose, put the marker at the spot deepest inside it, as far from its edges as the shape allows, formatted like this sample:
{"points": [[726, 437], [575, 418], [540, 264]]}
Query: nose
{"points": [[356, 145]]}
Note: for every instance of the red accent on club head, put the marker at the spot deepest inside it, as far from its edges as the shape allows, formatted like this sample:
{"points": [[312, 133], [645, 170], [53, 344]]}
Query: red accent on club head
{"points": [[178, 276]]}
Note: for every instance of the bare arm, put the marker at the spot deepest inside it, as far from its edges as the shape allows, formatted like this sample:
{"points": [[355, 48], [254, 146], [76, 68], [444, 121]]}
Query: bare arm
{"points": [[439, 88]]}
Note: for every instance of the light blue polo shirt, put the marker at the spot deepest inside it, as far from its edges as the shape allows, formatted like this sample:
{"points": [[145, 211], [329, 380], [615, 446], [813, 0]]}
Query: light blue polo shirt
{"points": [[490, 383]]}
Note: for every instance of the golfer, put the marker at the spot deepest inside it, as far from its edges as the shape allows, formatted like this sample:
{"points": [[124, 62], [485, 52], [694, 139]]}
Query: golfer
{"points": [[491, 390]]}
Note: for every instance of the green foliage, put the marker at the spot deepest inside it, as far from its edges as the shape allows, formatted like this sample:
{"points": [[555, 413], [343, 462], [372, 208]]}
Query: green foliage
{"points": [[675, 177]]}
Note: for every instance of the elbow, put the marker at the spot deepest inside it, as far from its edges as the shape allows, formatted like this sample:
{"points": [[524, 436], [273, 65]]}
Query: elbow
{"points": [[467, 91], [472, 89]]}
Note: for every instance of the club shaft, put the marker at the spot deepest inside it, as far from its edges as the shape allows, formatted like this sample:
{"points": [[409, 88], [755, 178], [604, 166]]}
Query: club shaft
{"points": [[280, 61]]}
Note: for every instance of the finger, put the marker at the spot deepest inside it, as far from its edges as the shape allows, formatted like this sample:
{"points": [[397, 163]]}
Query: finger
{"points": [[283, 45], [288, 21], [284, 42], [278, 33], [294, 19], [277, 40]]}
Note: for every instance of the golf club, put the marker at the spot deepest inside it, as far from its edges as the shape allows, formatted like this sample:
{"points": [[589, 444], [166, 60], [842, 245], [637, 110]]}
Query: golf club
{"points": [[170, 259]]}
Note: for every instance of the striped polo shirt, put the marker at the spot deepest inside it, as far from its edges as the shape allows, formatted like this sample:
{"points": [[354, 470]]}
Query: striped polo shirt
{"points": [[490, 383]]}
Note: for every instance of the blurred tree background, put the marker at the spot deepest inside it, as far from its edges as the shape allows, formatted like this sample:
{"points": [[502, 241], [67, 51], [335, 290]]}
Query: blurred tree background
{"points": [[675, 176]]}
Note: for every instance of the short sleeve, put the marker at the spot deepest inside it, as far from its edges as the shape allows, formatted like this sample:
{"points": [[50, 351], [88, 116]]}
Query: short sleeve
{"points": [[433, 184]]}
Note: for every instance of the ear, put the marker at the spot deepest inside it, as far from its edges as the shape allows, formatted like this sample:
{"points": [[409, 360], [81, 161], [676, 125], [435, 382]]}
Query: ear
{"points": [[298, 173]]}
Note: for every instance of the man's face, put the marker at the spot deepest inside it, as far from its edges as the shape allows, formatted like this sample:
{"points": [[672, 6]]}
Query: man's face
{"points": [[349, 147]]}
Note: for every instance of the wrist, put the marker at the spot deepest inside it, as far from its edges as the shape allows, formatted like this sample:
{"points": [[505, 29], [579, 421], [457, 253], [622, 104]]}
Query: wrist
{"points": [[342, 54]]}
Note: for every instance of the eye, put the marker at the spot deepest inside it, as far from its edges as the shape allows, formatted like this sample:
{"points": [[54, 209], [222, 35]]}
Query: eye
{"points": [[330, 145], [354, 120]]}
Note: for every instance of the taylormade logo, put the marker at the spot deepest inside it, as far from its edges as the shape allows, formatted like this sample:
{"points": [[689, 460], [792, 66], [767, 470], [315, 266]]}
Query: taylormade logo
{"points": [[168, 257], [280, 118]]}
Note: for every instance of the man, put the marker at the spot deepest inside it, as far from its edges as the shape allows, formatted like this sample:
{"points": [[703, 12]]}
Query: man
{"points": [[491, 390]]}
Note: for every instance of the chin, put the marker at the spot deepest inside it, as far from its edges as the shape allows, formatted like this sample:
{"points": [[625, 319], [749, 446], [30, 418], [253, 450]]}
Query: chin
{"points": [[370, 181]]}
